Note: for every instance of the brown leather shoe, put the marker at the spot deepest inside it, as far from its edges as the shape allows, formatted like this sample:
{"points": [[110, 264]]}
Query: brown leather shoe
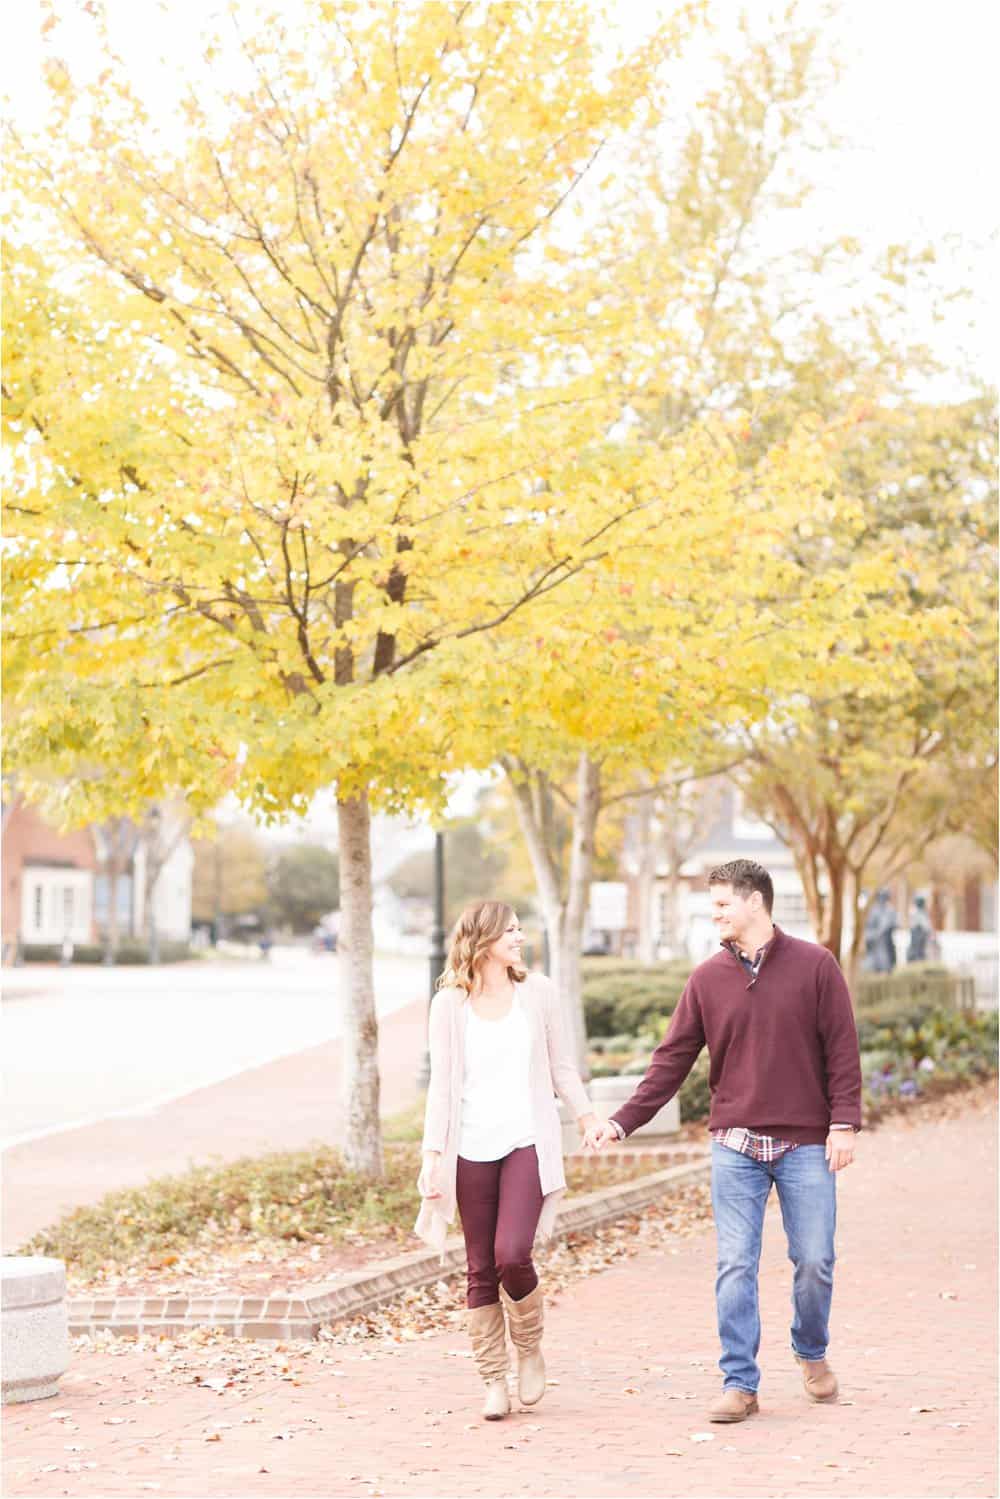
{"points": [[820, 1380], [734, 1405]]}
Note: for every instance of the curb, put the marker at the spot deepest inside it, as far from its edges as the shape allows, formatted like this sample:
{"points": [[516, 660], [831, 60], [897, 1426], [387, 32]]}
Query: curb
{"points": [[319, 1305]]}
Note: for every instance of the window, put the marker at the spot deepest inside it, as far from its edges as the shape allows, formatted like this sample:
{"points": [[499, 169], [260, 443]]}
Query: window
{"points": [[38, 907], [790, 907], [67, 907]]}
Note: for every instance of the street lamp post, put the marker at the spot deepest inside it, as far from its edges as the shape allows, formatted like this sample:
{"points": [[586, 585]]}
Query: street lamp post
{"points": [[437, 958]]}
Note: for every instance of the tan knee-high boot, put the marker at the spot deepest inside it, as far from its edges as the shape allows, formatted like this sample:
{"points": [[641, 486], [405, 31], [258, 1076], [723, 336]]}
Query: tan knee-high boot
{"points": [[489, 1348], [527, 1318]]}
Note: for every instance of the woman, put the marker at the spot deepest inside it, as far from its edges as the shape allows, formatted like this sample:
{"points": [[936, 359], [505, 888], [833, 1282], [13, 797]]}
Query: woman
{"points": [[492, 1137]]}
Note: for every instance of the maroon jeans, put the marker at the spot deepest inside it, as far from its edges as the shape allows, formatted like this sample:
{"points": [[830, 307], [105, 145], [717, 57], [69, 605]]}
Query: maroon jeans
{"points": [[500, 1203]]}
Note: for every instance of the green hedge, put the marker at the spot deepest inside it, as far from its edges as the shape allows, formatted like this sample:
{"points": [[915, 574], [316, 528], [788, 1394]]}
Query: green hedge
{"points": [[90, 952], [624, 999]]}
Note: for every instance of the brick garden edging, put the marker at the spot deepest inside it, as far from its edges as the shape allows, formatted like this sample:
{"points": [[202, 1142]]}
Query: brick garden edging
{"points": [[303, 1314]]}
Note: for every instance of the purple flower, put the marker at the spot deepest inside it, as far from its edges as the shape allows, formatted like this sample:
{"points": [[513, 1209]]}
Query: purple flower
{"points": [[908, 1088]]}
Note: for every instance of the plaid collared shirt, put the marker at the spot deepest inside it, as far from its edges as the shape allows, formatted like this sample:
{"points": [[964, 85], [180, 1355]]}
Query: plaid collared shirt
{"points": [[758, 1147]]}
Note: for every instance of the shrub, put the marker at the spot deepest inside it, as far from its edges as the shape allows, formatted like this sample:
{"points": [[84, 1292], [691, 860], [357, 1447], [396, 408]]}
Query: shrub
{"points": [[624, 998], [917, 984], [128, 953], [945, 1050], [694, 1097]]}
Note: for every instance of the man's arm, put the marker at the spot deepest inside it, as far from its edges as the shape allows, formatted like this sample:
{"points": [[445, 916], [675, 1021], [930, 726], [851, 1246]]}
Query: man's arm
{"points": [[839, 1038], [668, 1067]]}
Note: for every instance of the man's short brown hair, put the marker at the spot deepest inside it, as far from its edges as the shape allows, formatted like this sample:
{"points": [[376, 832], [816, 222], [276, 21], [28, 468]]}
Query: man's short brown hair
{"points": [[745, 876]]}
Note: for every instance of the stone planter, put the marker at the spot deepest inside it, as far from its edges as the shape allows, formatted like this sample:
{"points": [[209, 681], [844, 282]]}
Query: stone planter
{"points": [[33, 1320], [570, 1128], [609, 1093]]}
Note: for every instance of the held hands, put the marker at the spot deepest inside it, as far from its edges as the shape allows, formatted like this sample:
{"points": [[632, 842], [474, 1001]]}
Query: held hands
{"points": [[597, 1133], [429, 1180], [840, 1148]]}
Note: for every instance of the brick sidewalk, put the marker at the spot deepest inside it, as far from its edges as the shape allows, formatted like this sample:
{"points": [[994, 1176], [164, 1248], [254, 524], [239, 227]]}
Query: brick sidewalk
{"points": [[632, 1356], [287, 1104]]}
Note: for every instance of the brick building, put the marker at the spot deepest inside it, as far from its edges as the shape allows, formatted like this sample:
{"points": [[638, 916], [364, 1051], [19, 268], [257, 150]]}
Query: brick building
{"points": [[47, 878], [54, 885]]}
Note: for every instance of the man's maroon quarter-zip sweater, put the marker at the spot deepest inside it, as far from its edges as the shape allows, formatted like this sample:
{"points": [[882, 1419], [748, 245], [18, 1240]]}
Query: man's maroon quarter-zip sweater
{"points": [[783, 1048]]}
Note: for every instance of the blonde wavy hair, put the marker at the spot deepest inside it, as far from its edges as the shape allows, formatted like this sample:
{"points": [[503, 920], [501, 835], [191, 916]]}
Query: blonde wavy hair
{"points": [[478, 927]]}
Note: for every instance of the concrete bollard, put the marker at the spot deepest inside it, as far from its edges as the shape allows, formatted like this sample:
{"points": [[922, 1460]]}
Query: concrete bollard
{"points": [[33, 1321]]}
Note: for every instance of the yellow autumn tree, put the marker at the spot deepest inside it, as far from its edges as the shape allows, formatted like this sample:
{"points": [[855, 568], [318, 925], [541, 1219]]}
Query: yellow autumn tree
{"points": [[295, 401]]}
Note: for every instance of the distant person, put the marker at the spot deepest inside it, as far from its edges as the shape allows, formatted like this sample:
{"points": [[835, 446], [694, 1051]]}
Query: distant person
{"points": [[921, 932], [880, 927], [785, 1079], [493, 1140]]}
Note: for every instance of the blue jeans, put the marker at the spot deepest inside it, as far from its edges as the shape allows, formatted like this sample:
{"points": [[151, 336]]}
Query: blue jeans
{"points": [[808, 1197]]}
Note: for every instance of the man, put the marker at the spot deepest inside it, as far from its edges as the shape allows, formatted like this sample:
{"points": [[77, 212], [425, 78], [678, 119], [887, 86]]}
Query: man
{"points": [[785, 1079]]}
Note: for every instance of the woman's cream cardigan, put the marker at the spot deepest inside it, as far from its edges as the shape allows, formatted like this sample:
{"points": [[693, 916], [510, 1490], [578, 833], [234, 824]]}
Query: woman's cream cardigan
{"points": [[552, 1071]]}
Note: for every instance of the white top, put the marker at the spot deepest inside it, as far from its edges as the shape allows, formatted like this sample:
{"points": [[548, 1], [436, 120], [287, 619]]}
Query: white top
{"points": [[497, 1116]]}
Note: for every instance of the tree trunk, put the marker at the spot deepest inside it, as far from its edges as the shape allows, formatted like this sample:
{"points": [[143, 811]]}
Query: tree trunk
{"points": [[832, 929], [586, 811], [670, 934], [852, 962], [646, 877], [563, 918], [111, 935], [363, 1139]]}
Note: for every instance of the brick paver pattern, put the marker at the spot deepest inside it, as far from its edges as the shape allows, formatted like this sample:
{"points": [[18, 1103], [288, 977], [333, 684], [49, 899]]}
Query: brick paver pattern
{"points": [[631, 1357]]}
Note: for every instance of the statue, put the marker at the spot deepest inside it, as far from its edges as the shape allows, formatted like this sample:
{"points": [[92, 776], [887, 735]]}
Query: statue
{"points": [[921, 932], [880, 949]]}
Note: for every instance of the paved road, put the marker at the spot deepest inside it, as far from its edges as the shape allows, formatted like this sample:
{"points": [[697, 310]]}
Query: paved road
{"points": [[82, 1044], [286, 1104], [632, 1359]]}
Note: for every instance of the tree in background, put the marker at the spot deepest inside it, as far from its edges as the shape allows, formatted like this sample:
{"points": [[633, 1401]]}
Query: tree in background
{"points": [[669, 822], [303, 885], [229, 878], [720, 326], [860, 779], [163, 830], [116, 840], [474, 869]]}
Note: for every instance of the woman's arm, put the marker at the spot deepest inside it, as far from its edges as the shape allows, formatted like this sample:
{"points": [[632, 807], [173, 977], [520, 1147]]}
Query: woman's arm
{"points": [[439, 1086]]}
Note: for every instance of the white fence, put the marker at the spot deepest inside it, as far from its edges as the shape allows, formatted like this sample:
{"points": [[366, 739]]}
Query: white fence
{"points": [[974, 953]]}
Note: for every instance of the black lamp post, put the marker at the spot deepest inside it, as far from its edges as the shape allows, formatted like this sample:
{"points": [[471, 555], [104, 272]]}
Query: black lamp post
{"points": [[437, 958]]}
